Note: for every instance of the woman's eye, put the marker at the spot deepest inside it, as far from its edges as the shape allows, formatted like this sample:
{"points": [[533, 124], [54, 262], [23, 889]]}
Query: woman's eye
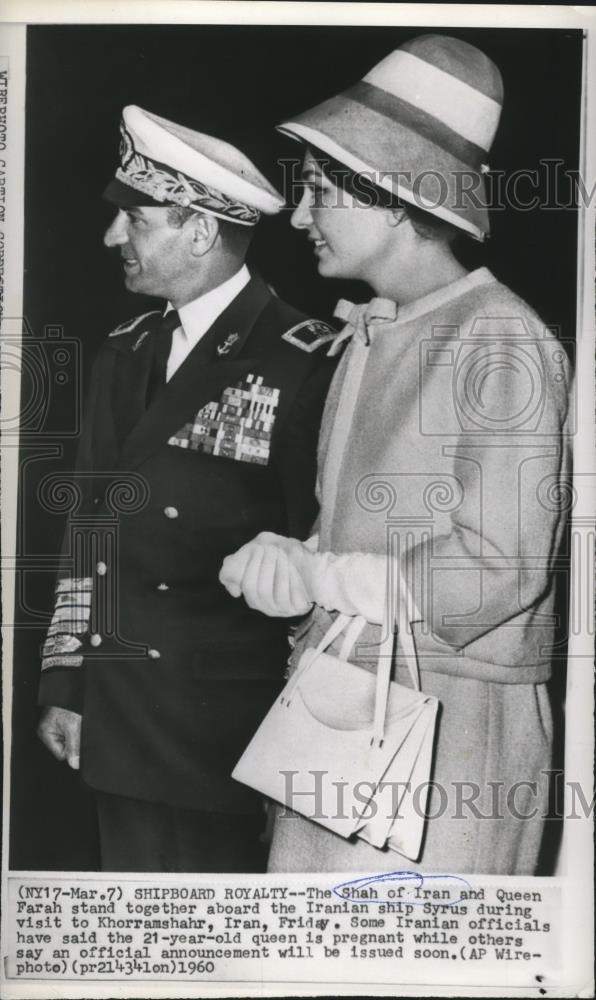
{"points": [[315, 189], [320, 194]]}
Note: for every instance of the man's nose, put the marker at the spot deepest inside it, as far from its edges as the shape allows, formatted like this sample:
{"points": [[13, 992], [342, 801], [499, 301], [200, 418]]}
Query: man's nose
{"points": [[301, 216], [115, 234]]}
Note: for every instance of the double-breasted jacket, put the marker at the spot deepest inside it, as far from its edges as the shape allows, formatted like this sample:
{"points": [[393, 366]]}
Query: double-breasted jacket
{"points": [[170, 673]]}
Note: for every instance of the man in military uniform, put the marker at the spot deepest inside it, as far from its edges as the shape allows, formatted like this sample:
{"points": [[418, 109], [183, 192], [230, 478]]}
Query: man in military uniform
{"points": [[200, 431]]}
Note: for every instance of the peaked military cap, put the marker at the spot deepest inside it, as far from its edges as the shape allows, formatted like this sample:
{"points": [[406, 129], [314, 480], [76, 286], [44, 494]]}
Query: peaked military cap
{"points": [[162, 163]]}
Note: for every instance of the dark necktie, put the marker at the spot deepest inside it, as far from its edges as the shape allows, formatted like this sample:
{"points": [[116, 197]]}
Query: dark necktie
{"points": [[161, 353]]}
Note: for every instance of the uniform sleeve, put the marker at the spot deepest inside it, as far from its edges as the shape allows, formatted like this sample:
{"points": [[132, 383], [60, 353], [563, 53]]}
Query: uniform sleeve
{"points": [[62, 662], [297, 455]]}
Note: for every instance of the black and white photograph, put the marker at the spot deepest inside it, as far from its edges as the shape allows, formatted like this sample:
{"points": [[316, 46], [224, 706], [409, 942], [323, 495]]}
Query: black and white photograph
{"points": [[298, 483]]}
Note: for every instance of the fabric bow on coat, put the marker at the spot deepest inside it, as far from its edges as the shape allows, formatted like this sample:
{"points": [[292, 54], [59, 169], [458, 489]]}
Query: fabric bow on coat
{"points": [[359, 317]]}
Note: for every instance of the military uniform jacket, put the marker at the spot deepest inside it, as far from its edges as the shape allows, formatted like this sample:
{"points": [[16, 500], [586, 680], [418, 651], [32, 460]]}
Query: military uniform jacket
{"points": [[171, 674]]}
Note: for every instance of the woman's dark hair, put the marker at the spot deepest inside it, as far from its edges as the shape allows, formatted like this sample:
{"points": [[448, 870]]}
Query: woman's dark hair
{"points": [[361, 187], [429, 226]]}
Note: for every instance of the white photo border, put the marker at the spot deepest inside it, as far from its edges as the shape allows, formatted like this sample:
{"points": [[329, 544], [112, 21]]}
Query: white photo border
{"points": [[576, 867]]}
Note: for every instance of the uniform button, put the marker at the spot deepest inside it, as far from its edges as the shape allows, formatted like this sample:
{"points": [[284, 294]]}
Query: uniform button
{"points": [[170, 511], [154, 654], [163, 586], [95, 639], [101, 569]]}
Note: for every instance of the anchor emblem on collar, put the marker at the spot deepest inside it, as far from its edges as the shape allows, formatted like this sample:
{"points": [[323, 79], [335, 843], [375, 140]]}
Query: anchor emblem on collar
{"points": [[140, 340], [228, 343]]}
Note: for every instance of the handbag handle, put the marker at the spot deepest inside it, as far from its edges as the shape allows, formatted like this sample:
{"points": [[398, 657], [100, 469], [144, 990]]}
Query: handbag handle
{"points": [[385, 660], [352, 632], [335, 629]]}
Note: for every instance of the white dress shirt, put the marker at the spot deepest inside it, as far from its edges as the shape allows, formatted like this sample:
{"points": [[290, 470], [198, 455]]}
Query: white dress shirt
{"points": [[198, 316]]}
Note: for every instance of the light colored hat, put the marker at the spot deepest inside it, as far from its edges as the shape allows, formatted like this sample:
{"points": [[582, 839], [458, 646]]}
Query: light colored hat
{"points": [[420, 125], [162, 163]]}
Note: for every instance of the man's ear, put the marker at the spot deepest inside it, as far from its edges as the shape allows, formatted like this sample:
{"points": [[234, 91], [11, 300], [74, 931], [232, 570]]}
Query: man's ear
{"points": [[205, 230]]}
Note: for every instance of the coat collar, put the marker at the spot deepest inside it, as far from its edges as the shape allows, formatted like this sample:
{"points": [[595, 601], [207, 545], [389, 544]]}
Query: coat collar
{"points": [[237, 319], [218, 359], [198, 316]]}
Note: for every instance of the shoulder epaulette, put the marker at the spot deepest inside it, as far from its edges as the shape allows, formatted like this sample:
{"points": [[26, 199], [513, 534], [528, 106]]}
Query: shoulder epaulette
{"points": [[131, 324], [309, 334]]}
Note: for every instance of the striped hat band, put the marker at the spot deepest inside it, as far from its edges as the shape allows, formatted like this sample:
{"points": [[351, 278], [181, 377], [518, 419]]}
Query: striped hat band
{"points": [[409, 115], [447, 99]]}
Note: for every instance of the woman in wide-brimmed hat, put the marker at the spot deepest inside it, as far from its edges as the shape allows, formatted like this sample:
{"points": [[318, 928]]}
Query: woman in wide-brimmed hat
{"points": [[444, 424]]}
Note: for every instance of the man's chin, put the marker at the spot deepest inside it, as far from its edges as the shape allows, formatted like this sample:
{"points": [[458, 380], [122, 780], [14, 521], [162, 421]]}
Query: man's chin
{"points": [[133, 282]]}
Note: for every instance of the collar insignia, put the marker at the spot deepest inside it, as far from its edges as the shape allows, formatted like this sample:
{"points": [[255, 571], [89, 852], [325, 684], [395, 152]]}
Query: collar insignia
{"points": [[309, 335], [140, 339], [228, 343]]}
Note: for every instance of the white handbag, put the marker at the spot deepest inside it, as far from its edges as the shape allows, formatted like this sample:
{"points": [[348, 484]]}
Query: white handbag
{"points": [[346, 748]]}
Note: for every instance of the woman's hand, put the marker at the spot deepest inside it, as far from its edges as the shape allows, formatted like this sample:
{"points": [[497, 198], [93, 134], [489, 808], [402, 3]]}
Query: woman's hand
{"points": [[267, 572]]}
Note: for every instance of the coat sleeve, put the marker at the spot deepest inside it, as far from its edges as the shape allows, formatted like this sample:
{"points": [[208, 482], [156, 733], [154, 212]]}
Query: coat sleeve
{"points": [[496, 559], [62, 661]]}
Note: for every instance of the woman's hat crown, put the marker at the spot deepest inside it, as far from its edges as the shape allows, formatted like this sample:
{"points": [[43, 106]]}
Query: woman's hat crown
{"points": [[419, 124]]}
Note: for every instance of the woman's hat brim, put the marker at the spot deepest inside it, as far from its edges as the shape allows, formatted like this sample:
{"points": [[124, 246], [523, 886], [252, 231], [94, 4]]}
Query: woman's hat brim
{"points": [[399, 158]]}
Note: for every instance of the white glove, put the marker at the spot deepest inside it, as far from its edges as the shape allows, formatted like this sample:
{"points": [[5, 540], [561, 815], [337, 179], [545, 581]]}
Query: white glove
{"points": [[266, 572]]}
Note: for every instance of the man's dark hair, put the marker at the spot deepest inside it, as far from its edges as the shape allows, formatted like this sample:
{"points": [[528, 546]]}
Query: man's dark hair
{"points": [[235, 237], [177, 216]]}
